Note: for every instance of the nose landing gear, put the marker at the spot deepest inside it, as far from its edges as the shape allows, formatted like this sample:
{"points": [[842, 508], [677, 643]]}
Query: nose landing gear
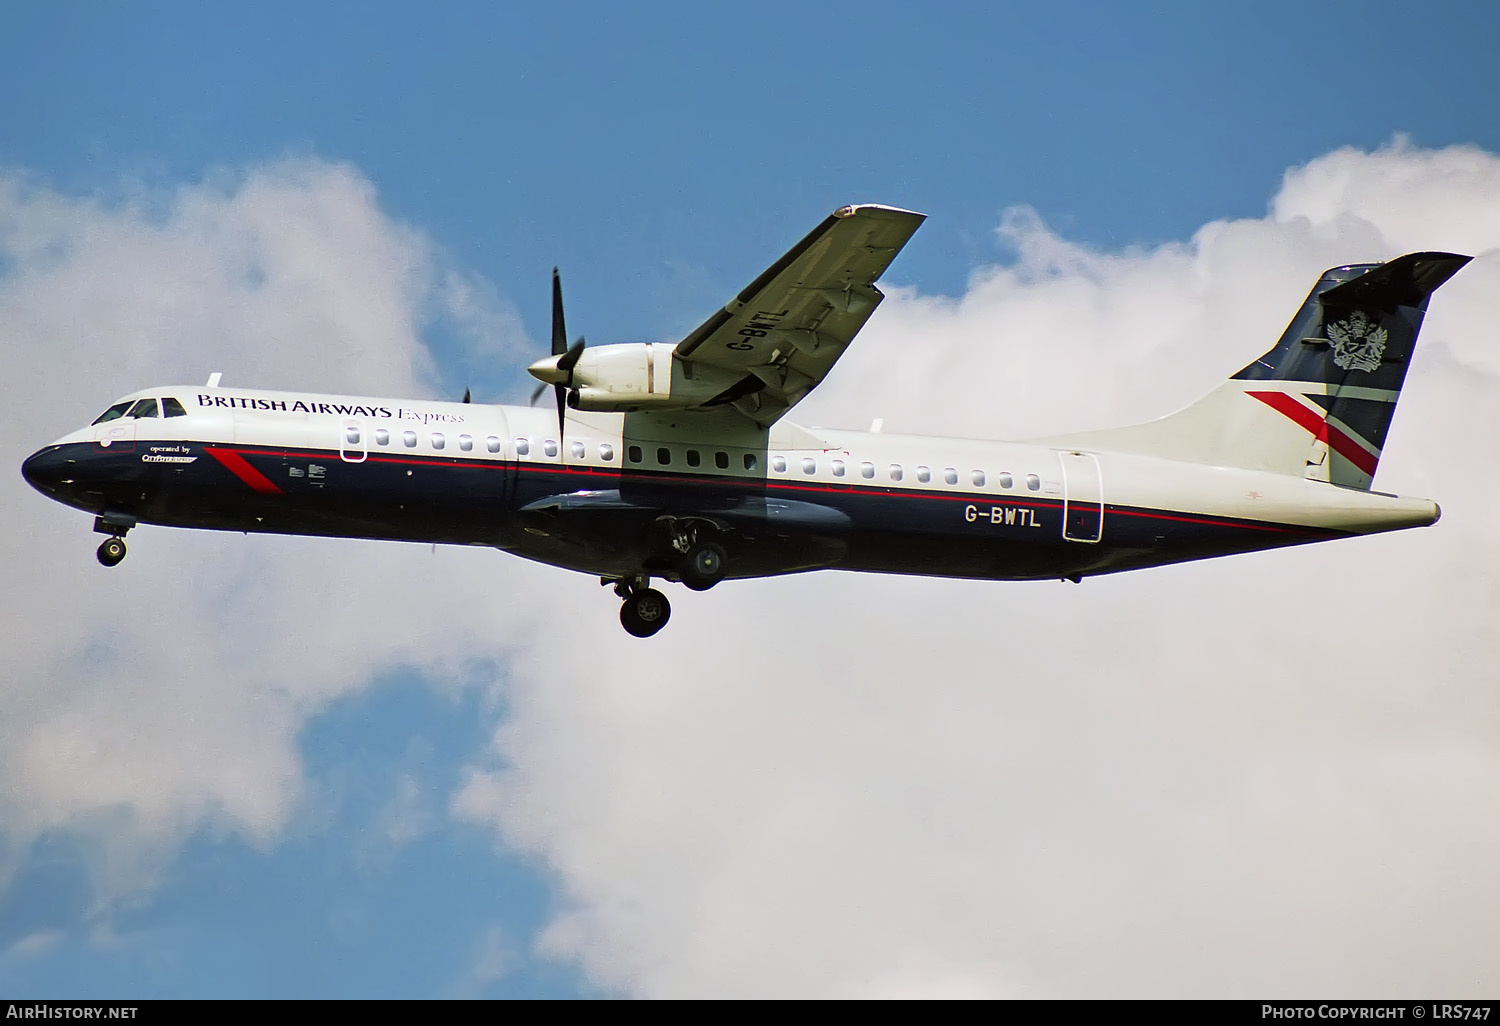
{"points": [[112, 550], [645, 610]]}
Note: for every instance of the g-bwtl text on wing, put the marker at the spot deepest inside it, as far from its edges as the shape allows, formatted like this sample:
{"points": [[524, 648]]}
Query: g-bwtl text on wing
{"points": [[784, 332]]}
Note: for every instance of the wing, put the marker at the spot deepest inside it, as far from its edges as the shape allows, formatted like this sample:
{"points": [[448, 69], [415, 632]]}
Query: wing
{"points": [[783, 333]]}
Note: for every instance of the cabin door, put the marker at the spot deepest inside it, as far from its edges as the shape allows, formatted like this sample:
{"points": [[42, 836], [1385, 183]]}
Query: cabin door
{"points": [[1083, 497]]}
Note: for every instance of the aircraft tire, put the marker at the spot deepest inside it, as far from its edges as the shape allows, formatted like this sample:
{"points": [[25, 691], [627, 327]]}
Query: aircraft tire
{"points": [[704, 566], [111, 551], [645, 612]]}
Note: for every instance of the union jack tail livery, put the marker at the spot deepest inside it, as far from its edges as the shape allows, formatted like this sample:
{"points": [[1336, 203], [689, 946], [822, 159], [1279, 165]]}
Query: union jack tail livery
{"points": [[1318, 405]]}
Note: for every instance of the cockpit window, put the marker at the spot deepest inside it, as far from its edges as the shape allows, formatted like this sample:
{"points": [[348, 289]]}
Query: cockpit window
{"points": [[115, 412], [144, 408], [172, 408]]}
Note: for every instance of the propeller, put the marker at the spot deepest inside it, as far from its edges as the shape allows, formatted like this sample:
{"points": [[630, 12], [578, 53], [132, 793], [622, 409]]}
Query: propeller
{"points": [[558, 371], [467, 397]]}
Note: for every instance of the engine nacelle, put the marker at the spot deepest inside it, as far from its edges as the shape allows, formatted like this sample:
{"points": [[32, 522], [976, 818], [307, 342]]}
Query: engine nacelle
{"points": [[640, 376]]}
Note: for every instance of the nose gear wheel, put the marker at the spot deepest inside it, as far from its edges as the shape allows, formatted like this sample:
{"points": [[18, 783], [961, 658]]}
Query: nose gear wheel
{"points": [[112, 551]]}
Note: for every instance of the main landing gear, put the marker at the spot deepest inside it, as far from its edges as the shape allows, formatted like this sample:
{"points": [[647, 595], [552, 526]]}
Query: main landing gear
{"points": [[702, 566], [112, 549], [645, 610], [698, 561], [701, 562]]}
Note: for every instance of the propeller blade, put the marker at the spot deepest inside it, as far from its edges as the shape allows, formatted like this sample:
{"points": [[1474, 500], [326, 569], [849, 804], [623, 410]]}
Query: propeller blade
{"points": [[467, 397], [569, 359], [565, 363], [537, 394], [559, 332]]}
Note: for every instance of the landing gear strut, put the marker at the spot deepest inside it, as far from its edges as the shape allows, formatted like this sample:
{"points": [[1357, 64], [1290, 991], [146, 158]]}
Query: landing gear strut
{"points": [[113, 548], [645, 610]]}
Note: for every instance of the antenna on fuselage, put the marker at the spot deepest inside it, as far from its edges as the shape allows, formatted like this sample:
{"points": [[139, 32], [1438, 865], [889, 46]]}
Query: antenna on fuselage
{"points": [[213, 379]]}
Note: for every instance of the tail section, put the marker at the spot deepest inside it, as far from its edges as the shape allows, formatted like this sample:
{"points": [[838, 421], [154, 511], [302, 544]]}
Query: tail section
{"points": [[1318, 405]]}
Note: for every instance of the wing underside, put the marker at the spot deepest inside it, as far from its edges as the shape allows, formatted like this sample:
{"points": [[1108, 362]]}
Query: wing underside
{"points": [[780, 336]]}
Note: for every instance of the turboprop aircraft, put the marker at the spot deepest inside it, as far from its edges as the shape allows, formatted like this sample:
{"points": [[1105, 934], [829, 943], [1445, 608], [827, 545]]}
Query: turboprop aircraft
{"points": [[677, 461]]}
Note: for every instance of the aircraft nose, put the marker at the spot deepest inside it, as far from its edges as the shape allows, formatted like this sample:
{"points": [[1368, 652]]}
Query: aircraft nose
{"points": [[45, 470]]}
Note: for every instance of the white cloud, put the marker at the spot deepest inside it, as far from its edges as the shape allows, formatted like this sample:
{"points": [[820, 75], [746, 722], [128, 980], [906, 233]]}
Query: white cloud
{"points": [[408, 816], [1272, 774], [142, 704], [494, 958], [33, 944]]}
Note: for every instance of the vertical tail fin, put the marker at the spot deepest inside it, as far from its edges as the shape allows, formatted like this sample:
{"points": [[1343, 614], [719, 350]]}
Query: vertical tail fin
{"points": [[1319, 404]]}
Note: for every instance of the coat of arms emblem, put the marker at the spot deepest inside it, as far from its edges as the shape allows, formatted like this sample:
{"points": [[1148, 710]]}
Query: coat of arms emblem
{"points": [[1358, 342]]}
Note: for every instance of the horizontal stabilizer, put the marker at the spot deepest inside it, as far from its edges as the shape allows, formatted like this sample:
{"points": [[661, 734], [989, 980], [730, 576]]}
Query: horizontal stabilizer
{"points": [[1405, 281]]}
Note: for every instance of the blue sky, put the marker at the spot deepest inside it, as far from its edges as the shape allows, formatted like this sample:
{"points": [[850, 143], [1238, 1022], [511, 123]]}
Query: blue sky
{"points": [[662, 155]]}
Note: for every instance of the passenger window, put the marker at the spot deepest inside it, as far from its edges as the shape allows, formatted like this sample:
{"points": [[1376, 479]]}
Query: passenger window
{"points": [[382, 436], [749, 461], [492, 444], [577, 450], [465, 442], [664, 456], [924, 475], [778, 464], [437, 439], [838, 468], [692, 457], [634, 452], [146, 408], [351, 435], [1033, 482], [978, 478], [172, 408], [549, 447], [115, 412], [896, 471], [1005, 481], [409, 439], [606, 452], [950, 475], [523, 447], [809, 466], [721, 460], [867, 470]]}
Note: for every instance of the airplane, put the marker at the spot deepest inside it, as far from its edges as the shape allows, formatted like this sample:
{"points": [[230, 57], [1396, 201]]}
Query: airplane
{"points": [[677, 462]]}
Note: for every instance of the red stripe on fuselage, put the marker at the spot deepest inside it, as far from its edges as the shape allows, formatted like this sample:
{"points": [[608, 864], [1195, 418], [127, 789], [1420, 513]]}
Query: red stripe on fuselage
{"points": [[1323, 431], [241, 468], [606, 475]]}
